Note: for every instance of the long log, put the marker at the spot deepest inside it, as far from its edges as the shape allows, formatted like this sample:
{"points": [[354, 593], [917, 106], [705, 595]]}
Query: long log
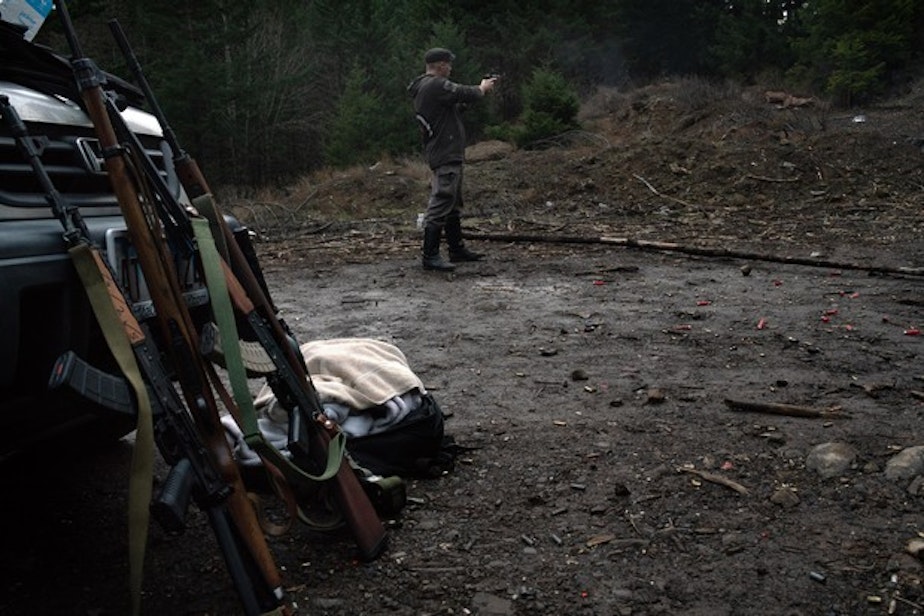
{"points": [[693, 250]]}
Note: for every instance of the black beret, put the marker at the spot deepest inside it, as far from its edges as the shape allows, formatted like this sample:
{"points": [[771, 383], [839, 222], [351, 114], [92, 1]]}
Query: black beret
{"points": [[438, 54]]}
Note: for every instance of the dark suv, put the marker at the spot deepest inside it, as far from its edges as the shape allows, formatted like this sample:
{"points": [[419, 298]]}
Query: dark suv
{"points": [[43, 306]]}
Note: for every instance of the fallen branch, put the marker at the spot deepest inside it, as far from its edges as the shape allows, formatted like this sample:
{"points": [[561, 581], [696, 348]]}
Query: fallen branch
{"points": [[304, 202], [692, 250], [762, 178], [662, 195], [610, 270], [718, 479], [792, 410], [554, 226], [320, 228], [901, 599]]}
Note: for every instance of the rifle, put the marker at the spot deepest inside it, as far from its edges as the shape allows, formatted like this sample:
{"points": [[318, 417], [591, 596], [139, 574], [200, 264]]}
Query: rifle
{"points": [[291, 381], [180, 338], [193, 471]]}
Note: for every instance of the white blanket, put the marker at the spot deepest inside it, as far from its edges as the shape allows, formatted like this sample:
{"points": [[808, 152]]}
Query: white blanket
{"points": [[354, 376]]}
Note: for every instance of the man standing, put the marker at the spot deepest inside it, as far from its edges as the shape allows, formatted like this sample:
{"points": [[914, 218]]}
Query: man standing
{"points": [[438, 103]]}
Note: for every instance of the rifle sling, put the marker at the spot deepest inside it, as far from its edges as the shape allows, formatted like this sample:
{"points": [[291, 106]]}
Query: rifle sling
{"points": [[101, 292], [205, 205], [237, 375]]}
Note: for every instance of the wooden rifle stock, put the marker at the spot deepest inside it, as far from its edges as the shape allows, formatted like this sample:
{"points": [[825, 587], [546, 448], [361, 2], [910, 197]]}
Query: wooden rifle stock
{"points": [[252, 300], [172, 315]]}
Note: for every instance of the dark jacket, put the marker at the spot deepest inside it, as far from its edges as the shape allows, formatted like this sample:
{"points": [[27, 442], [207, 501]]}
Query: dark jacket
{"points": [[437, 102]]}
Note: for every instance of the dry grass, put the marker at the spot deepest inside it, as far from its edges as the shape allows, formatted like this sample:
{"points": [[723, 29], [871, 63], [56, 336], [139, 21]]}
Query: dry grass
{"points": [[391, 188]]}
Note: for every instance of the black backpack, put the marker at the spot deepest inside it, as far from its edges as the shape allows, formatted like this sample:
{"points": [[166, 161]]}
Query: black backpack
{"points": [[416, 447]]}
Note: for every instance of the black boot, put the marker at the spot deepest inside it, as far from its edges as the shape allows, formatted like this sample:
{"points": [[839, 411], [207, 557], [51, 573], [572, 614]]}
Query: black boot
{"points": [[457, 250], [431, 250]]}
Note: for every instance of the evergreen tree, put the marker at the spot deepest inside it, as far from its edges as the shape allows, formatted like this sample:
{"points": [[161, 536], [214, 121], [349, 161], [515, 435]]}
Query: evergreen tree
{"points": [[749, 39], [667, 37], [354, 135], [384, 38], [851, 48], [550, 108]]}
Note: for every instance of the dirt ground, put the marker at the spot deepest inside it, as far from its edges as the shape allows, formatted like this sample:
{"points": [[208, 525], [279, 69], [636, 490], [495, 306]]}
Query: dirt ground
{"points": [[591, 378]]}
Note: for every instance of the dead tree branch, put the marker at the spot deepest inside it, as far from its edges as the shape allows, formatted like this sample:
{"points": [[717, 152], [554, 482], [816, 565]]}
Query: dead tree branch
{"points": [[762, 178], [662, 195], [717, 479], [693, 250], [793, 410]]}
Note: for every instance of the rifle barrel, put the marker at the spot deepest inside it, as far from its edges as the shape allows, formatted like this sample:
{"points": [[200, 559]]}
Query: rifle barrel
{"points": [[135, 67], [69, 31], [74, 226]]}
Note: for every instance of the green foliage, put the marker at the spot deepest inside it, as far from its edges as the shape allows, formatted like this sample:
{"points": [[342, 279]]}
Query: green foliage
{"points": [[851, 47], [854, 75], [667, 37], [550, 108], [353, 134], [383, 38], [749, 39]]}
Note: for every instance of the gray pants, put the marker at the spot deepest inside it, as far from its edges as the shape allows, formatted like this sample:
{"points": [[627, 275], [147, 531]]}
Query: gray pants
{"points": [[445, 194]]}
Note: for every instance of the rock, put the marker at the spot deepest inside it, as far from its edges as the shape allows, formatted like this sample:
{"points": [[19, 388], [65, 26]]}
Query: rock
{"points": [[915, 547], [326, 604], [916, 487], [830, 459], [485, 603], [622, 594], [785, 497], [907, 463], [904, 562], [733, 542], [657, 472], [621, 490], [428, 524]]}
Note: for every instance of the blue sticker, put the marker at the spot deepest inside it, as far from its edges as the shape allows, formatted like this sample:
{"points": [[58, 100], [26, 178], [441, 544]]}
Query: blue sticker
{"points": [[42, 7]]}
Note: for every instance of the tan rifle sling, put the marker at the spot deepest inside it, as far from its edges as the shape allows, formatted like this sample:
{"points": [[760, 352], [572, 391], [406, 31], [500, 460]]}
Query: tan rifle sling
{"points": [[121, 331]]}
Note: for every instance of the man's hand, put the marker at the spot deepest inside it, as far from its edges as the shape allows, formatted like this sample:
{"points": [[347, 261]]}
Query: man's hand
{"points": [[487, 84]]}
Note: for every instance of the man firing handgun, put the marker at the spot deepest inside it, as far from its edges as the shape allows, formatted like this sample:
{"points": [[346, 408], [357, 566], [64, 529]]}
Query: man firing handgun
{"points": [[437, 105]]}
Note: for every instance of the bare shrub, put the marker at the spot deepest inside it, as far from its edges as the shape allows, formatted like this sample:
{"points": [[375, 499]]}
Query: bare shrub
{"points": [[603, 102], [696, 93]]}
